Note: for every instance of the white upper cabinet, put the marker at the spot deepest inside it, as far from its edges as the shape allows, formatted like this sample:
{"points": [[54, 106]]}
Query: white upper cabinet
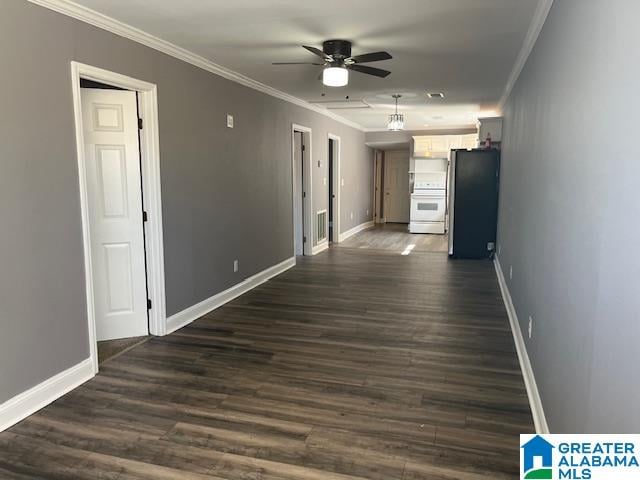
{"points": [[421, 146], [441, 145], [469, 141], [490, 127]]}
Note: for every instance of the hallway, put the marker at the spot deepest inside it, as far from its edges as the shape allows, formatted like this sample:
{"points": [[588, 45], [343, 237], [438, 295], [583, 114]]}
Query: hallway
{"points": [[356, 363], [395, 237]]}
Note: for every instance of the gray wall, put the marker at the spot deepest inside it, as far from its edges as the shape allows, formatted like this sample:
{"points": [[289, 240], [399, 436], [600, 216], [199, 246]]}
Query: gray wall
{"points": [[226, 192], [569, 220]]}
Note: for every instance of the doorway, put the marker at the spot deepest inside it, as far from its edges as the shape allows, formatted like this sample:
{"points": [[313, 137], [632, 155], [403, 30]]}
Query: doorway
{"points": [[378, 171], [301, 190], [396, 186], [117, 145], [335, 183], [114, 187]]}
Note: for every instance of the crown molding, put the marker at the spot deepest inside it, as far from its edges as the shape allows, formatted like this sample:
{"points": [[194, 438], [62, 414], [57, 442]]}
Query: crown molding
{"points": [[539, 17], [87, 15]]}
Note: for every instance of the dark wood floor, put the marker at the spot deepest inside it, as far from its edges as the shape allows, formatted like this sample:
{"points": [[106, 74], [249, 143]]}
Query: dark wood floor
{"points": [[357, 363], [396, 237], [112, 348]]}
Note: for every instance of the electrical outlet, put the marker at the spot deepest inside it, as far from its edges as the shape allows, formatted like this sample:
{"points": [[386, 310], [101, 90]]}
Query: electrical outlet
{"points": [[510, 272], [229, 121], [351, 215], [342, 182], [324, 181], [530, 326], [235, 265], [367, 212]]}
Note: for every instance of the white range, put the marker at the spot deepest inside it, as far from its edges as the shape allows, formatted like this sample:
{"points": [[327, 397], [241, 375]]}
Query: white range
{"points": [[428, 203]]}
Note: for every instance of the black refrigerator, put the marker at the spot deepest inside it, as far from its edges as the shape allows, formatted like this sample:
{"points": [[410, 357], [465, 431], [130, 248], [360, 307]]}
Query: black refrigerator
{"points": [[473, 203]]}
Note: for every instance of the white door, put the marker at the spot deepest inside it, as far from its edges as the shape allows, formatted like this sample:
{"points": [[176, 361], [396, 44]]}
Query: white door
{"points": [[110, 124], [396, 186]]}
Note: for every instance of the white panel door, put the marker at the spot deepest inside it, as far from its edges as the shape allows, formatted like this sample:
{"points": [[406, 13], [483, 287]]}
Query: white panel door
{"points": [[396, 186], [110, 124]]}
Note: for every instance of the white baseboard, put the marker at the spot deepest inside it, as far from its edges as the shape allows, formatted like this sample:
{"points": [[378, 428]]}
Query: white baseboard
{"points": [[29, 402], [321, 247], [535, 401], [188, 315], [356, 229]]}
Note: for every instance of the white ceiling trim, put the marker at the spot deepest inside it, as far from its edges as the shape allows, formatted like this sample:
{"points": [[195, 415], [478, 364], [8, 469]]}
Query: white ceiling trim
{"points": [[87, 15], [539, 17]]}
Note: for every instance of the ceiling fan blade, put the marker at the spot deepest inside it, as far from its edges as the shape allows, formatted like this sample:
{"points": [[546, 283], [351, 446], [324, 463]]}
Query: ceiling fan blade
{"points": [[371, 57], [296, 63], [318, 52], [377, 72]]}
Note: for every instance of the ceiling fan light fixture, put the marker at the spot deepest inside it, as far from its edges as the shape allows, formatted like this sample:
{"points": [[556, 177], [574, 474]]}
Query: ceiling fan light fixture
{"points": [[396, 120], [335, 76]]}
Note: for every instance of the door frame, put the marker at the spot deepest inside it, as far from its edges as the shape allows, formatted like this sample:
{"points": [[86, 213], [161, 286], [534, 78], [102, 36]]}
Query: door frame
{"points": [[152, 203], [337, 184], [307, 175], [378, 186]]}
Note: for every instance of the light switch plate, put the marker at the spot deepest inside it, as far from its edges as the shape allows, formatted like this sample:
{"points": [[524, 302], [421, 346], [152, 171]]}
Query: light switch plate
{"points": [[229, 121]]}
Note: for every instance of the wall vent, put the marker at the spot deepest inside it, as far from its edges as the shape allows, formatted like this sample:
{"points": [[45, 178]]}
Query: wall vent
{"points": [[321, 225]]}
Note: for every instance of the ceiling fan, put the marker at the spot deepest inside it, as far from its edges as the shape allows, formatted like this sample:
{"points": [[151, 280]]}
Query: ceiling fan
{"points": [[337, 60]]}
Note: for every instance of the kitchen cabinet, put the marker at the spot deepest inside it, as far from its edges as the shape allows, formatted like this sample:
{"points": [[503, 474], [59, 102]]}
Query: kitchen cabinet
{"points": [[441, 145], [490, 127]]}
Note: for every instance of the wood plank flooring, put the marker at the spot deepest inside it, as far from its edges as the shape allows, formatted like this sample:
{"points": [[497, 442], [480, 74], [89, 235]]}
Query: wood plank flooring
{"points": [[396, 237], [109, 349], [356, 364]]}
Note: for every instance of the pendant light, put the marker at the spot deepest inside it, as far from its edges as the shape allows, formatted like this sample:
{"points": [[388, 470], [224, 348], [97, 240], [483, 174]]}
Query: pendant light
{"points": [[396, 120]]}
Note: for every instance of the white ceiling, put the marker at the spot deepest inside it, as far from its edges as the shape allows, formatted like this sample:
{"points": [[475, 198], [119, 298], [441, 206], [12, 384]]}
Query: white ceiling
{"points": [[464, 48]]}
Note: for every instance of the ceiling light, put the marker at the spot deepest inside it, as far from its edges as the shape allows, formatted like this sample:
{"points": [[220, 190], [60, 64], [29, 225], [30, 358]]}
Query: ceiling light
{"points": [[435, 95], [335, 76], [396, 120]]}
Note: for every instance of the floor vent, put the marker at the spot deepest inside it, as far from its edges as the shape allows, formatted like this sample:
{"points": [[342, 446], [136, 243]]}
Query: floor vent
{"points": [[321, 226]]}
